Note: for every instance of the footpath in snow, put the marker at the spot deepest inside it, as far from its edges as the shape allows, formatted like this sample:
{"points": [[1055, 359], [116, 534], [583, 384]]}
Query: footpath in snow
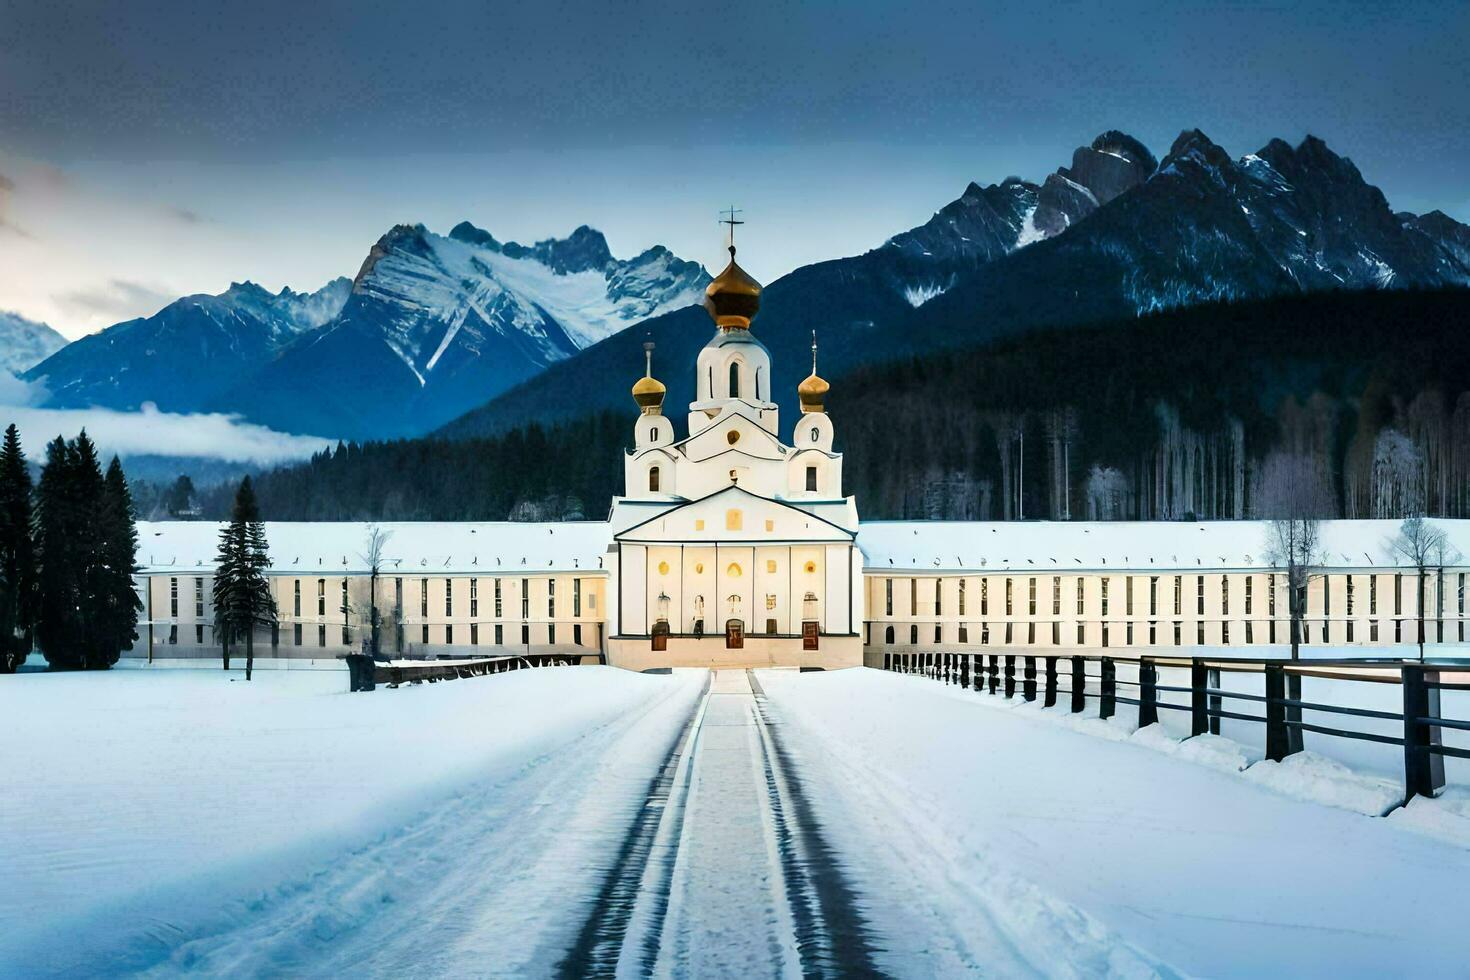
{"points": [[179, 820], [983, 838]]}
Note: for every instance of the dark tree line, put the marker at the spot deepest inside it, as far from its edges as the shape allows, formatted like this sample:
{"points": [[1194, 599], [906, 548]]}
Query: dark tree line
{"points": [[1191, 414], [68, 549]]}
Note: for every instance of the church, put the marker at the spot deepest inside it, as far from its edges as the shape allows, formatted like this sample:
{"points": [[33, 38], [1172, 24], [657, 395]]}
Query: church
{"points": [[731, 548]]}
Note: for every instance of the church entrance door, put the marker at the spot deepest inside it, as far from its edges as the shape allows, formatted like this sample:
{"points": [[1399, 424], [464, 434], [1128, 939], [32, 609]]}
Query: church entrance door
{"points": [[735, 634]]}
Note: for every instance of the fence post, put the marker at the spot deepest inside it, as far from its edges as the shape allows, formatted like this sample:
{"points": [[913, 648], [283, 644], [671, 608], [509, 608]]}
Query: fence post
{"points": [[1028, 687], [1423, 769], [994, 671], [964, 671], [1277, 745], [1199, 682], [1010, 675], [1051, 683], [1148, 694], [1079, 684], [1108, 688], [1216, 701]]}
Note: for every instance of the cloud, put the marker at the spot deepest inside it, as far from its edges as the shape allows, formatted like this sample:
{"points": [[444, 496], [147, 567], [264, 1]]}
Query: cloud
{"points": [[149, 431], [7, 188], [186, 216], [118, 299]]}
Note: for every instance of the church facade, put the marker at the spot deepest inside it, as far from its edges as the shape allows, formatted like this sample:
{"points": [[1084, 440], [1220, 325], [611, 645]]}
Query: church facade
{"points": [[730, 547]]}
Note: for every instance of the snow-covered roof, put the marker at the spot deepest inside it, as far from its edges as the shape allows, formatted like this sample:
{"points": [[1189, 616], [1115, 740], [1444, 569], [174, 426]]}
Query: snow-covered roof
{"points": [[425, 547], [465, 548], [1077, 545]]}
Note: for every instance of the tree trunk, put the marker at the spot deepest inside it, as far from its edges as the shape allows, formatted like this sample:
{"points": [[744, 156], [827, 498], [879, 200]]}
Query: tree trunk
{"points": [[249, 651], [225, 648]]}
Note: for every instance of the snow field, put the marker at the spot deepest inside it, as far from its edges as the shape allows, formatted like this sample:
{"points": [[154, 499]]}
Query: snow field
{"points": [[184, 819], [988, 837]]}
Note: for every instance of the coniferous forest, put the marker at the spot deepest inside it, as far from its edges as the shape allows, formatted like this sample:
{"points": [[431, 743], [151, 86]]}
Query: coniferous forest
{"points": [[1194, 413], [68, 548]]}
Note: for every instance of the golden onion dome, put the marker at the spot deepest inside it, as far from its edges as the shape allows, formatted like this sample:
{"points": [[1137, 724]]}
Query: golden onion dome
{"points": [[813, 391], [648, 391], [733, 298]]}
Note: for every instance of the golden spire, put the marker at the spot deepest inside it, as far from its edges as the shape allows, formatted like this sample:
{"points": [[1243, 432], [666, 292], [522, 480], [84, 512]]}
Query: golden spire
{"points": [[648, 391], [733, 298], [813, 390]]}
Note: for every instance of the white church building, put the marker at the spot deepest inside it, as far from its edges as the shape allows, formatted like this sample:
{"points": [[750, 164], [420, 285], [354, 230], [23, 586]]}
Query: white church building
{"points": [[730, 547]]}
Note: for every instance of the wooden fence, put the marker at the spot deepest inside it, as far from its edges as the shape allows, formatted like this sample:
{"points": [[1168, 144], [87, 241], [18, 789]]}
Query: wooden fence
{"points": [[365, 673], [1095, 677]]}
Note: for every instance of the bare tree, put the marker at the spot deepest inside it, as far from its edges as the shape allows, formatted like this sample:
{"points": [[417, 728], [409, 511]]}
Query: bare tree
{"points": [[377, 538], [1424, 546], [1294, 545]]}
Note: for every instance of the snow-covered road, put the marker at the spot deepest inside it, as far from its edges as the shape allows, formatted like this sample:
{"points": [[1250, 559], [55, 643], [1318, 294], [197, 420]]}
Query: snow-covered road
{"points": [[588, 821], [984, 838], [173, 821]]}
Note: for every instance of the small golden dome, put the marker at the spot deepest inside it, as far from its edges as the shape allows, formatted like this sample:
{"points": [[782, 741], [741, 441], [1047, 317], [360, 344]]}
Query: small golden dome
{"points": [[648, 391], [813, 390], [733, 298]]}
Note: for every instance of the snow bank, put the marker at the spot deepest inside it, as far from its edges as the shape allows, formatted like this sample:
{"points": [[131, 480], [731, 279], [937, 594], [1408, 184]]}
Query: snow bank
{"points": [[136, 801], [984, 840]]}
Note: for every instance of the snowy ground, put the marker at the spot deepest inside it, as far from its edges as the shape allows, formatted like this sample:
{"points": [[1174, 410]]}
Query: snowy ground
{"points": [[184, 819], [568, 820], [985, 837]]}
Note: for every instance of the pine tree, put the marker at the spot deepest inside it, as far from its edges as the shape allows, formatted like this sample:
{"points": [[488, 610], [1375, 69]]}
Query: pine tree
{"points": [[242, 598], [17, 555], [228, 574], [120, 604], [89, 491], [58, 596]]}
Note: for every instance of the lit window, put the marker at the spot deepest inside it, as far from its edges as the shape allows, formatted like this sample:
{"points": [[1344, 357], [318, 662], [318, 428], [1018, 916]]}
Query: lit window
{"points": [[770, 566], [663, 568], [732, 520], [734, 570]]}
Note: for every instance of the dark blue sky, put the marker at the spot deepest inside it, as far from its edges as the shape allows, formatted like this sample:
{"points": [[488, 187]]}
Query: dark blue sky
{"points": [[286, 136]]}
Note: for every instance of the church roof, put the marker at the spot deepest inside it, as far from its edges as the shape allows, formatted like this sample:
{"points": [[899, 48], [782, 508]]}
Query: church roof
{"points": [[736, 490]]}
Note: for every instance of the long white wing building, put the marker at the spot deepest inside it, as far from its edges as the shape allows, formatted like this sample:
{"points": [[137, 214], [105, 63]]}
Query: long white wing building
{"points": [[732, 547]]}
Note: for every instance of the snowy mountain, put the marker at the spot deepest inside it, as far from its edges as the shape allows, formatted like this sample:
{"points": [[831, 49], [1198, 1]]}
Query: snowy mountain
{"points": [[435, 325], [186, 353], [1113, 235], [25, 343]]}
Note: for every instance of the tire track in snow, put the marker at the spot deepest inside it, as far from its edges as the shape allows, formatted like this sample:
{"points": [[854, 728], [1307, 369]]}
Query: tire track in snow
{"points": [[832, 934], [479, 885], [635, 893]]}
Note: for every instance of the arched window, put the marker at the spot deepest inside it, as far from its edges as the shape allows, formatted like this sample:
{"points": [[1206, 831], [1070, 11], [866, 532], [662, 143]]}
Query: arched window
{"points": [[815, 434], [653, 434], [653, 479], [888, 636], [734, 379], [811, 478]]}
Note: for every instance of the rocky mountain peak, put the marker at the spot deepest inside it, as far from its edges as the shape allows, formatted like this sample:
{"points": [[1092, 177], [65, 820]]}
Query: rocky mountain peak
{"points": [[470, 235], [1113, 164]]}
